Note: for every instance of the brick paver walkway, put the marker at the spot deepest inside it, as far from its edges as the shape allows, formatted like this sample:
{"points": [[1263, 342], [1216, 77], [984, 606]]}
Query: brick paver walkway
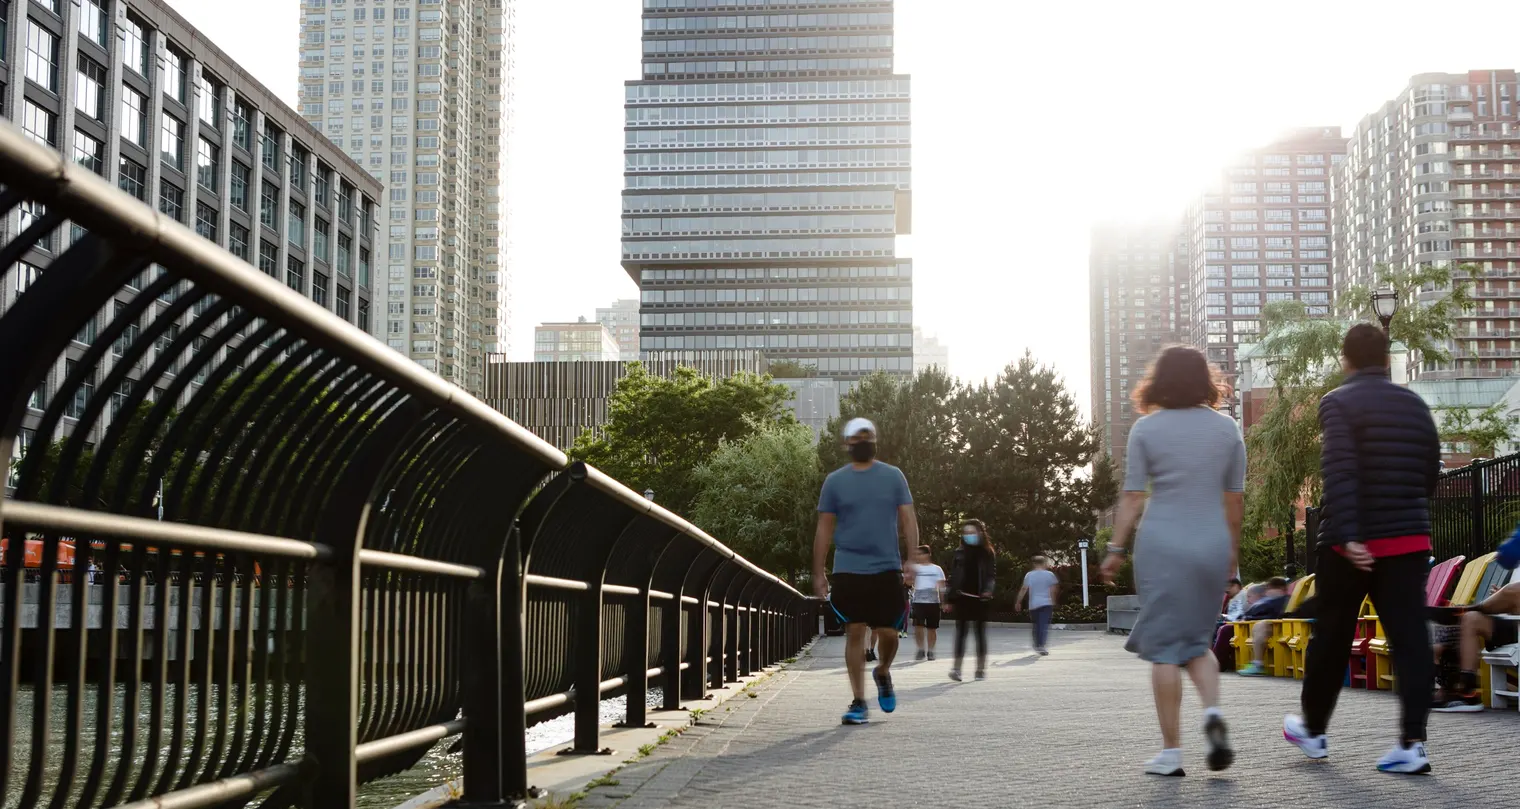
{"points": [[1069, 730]]}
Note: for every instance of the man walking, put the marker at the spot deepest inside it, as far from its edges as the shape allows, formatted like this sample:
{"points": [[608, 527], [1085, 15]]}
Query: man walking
{"points": [[1041, 586], [863, 508], [1379, 462]]}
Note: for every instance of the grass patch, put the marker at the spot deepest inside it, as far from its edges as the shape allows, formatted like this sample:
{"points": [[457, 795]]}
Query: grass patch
{"points": [[790, 660], [605, 781], [555, 802]]}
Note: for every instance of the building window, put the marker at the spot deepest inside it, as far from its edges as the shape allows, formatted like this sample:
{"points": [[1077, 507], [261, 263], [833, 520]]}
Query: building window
{"points": [[345, 202], [364, 267], [271, 144], [134, 117], [90, 88], [209, 104], [237, 191], [297, 168], [343, 298], [135, 56], [132, 178], [172, 149], [171, 200], [89, 152], [319, 288], [39, 124], [93, 22], [41, 56], [205, 221], [237, 240], [242, 124], [295, 228], [174, 75], [269, 206], [269, 257], [345, 251], [295, 274], [323, 189], [319, 236], [363, 322], [208, 160]]}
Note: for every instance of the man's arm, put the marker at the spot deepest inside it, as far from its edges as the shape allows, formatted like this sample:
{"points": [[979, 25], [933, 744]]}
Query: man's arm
{"points": [[822, 538], [909, 522], [1023, 591], [1055, 590]]}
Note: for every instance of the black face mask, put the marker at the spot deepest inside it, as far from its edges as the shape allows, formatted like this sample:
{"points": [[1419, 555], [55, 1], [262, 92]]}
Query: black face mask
{"points": [[863, 451]]}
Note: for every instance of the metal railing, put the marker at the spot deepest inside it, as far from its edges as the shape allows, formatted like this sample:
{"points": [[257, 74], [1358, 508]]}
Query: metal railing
{"points": [[1475, 507], [310, 560]]}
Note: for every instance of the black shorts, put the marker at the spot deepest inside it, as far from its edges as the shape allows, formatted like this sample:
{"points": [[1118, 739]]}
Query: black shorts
{"points": [[1505, 633], [926, 615], [873, 599]]}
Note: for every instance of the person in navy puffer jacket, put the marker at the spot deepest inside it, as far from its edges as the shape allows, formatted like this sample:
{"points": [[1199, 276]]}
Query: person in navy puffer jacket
{"points": [[1379, 461]]}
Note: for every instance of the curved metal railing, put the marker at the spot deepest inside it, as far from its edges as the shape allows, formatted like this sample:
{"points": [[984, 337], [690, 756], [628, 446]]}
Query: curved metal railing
{"points": [[271, 559]]}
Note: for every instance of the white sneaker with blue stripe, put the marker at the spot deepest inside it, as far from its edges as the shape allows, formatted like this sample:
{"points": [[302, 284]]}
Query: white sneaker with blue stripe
{"points": [[1409, 760]]}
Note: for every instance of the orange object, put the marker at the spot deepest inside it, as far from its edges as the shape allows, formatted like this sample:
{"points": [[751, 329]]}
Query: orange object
{"points": [[33, 553]]}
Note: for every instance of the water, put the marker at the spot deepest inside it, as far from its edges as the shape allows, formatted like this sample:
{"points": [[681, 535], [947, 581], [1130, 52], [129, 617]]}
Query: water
{"points": [[437, 767]]}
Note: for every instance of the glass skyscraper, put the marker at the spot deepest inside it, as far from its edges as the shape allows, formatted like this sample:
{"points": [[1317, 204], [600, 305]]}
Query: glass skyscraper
{"points": [[767, 176]]}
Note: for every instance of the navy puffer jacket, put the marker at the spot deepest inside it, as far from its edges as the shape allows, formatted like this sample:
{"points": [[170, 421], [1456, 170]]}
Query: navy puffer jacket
{"points": [[1380, 457]]}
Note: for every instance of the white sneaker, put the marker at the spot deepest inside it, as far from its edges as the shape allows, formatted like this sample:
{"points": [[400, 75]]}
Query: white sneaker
{"points": [[1167, 762], [1297, 734], [1409, 760]]}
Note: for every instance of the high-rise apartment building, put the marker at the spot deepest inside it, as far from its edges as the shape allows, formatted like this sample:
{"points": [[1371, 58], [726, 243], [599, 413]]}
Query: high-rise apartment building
{"points": [[929, 352], [767, 176], [622, 319], [418, 91], [575, 342], [1262, 234], [1433, 177], [135, 94], [1139, 304]]}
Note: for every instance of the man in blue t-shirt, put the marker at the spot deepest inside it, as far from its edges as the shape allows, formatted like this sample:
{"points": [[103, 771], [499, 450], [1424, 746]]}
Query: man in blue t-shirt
{"points": [[860, 511]]}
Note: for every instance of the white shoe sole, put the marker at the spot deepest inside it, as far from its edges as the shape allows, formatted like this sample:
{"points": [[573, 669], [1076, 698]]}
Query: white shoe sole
{"points": [[1305, 745], [1175, 772], [1406, 767]]}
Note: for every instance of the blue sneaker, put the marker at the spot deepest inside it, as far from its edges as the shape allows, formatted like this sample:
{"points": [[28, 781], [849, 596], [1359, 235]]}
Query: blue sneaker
{"points": [[885, 696], [856, 714], [1253, 669]]}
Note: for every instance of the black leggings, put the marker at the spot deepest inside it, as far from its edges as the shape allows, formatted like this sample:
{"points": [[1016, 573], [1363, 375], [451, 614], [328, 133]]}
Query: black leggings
{"points": [[968, 614]]}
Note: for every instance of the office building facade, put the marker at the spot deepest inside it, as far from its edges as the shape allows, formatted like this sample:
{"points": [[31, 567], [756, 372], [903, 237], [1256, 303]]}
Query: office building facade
{"points": [[581, 341], [419, 93], [622, 319], [1262, 234], [1433, 177], [133, 92], [929, 352], [1140, 303], [767, 176]]}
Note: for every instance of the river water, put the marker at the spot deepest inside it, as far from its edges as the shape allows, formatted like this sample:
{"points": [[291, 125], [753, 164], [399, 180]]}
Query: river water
{"points": [[437, 767]]}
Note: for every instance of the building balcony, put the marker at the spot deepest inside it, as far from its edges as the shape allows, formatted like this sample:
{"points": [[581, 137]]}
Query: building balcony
{"points": [[1471, 373], [1485, 154], [1486, 136], [1487, 254], [1469, 192]]}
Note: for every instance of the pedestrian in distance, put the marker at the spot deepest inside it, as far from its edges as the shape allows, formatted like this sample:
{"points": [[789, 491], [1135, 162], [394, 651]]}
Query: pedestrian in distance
{"points": [[928, 596], [1186, 468], [1379, 458], [973, 574], [1043, 588], [866, 512]]}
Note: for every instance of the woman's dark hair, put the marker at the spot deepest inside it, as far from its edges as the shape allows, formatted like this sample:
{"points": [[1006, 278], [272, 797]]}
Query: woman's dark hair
{"points": [[981, 529], [1181, 377]]}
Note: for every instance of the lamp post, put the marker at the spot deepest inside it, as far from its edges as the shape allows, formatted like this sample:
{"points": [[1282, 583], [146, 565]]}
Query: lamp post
{"points": [[649, 495], [1385, 302], [1082, 546]]}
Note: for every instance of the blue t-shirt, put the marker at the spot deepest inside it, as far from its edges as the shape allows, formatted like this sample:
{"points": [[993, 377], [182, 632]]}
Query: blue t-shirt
{"points": [[865, 502]]}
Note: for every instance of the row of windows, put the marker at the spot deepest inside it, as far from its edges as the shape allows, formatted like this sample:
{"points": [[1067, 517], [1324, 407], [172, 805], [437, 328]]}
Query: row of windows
{"points": [[759, 248], [741, 22], [775, 201], [761, 91], [705, 70], [769, 179], [776, 294], [717, 5], [720, 47], [815, 317], [904, 270], [891, 339], [703, 225], [768, 113], [766, 136]]}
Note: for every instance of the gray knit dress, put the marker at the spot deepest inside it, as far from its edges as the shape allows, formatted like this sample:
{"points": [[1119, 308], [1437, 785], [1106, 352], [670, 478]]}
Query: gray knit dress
{"points": [[1187, 459]]}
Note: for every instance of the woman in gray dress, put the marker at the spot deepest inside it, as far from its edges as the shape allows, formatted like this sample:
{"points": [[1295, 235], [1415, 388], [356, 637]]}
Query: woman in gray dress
{"points": [[1188, 461]]}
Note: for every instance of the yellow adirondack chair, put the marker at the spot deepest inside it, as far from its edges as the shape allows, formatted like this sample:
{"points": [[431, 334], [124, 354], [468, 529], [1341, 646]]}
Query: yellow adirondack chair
{"points": [[1435, 589], [1276, 653], [1294, 633]]}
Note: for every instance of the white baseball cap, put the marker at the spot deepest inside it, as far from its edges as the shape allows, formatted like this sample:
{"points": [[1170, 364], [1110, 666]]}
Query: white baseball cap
{"points": [[857, 426]]}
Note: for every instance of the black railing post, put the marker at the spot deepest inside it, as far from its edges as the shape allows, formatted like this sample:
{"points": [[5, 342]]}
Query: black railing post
{"points": [[636, 627], [1479, 541], [670, 650], [1311, 538], [482, 759], [332, 674], [514, 692], [698, 638]]}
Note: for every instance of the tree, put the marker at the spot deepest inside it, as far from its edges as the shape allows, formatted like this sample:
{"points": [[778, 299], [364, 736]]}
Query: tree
{"points": [[1283, 447], [660, 429], [791, 369], [1482, 431], [759, 494]]}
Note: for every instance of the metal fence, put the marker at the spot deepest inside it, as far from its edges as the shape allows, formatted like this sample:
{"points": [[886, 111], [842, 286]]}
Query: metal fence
{"points": [[309, 559], [1475, 507]]}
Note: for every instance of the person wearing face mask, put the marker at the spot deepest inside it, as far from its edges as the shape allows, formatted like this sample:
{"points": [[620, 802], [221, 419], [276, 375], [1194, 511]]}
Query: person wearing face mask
{"points": [[866, 512], [972, 575]]}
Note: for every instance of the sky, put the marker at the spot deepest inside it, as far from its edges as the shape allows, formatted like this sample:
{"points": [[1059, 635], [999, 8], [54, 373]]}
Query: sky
{"points": [[1031, 122]]}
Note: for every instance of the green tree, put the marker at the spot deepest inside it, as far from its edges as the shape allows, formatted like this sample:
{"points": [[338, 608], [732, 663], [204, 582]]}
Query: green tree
{"points": [[660, 429], [1283, 447], [760, 495], [1482, 431], [791, 369]]}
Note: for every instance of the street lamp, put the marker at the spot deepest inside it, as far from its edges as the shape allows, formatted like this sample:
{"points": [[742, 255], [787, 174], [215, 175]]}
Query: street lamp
{"points": [[1082, 545], [649, 495], [1385, 302]]}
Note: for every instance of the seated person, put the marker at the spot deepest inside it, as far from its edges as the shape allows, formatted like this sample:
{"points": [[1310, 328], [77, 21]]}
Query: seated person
{"points": [[1273, 604], [1222, 650], [1234, 601], [1479, 631]]}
